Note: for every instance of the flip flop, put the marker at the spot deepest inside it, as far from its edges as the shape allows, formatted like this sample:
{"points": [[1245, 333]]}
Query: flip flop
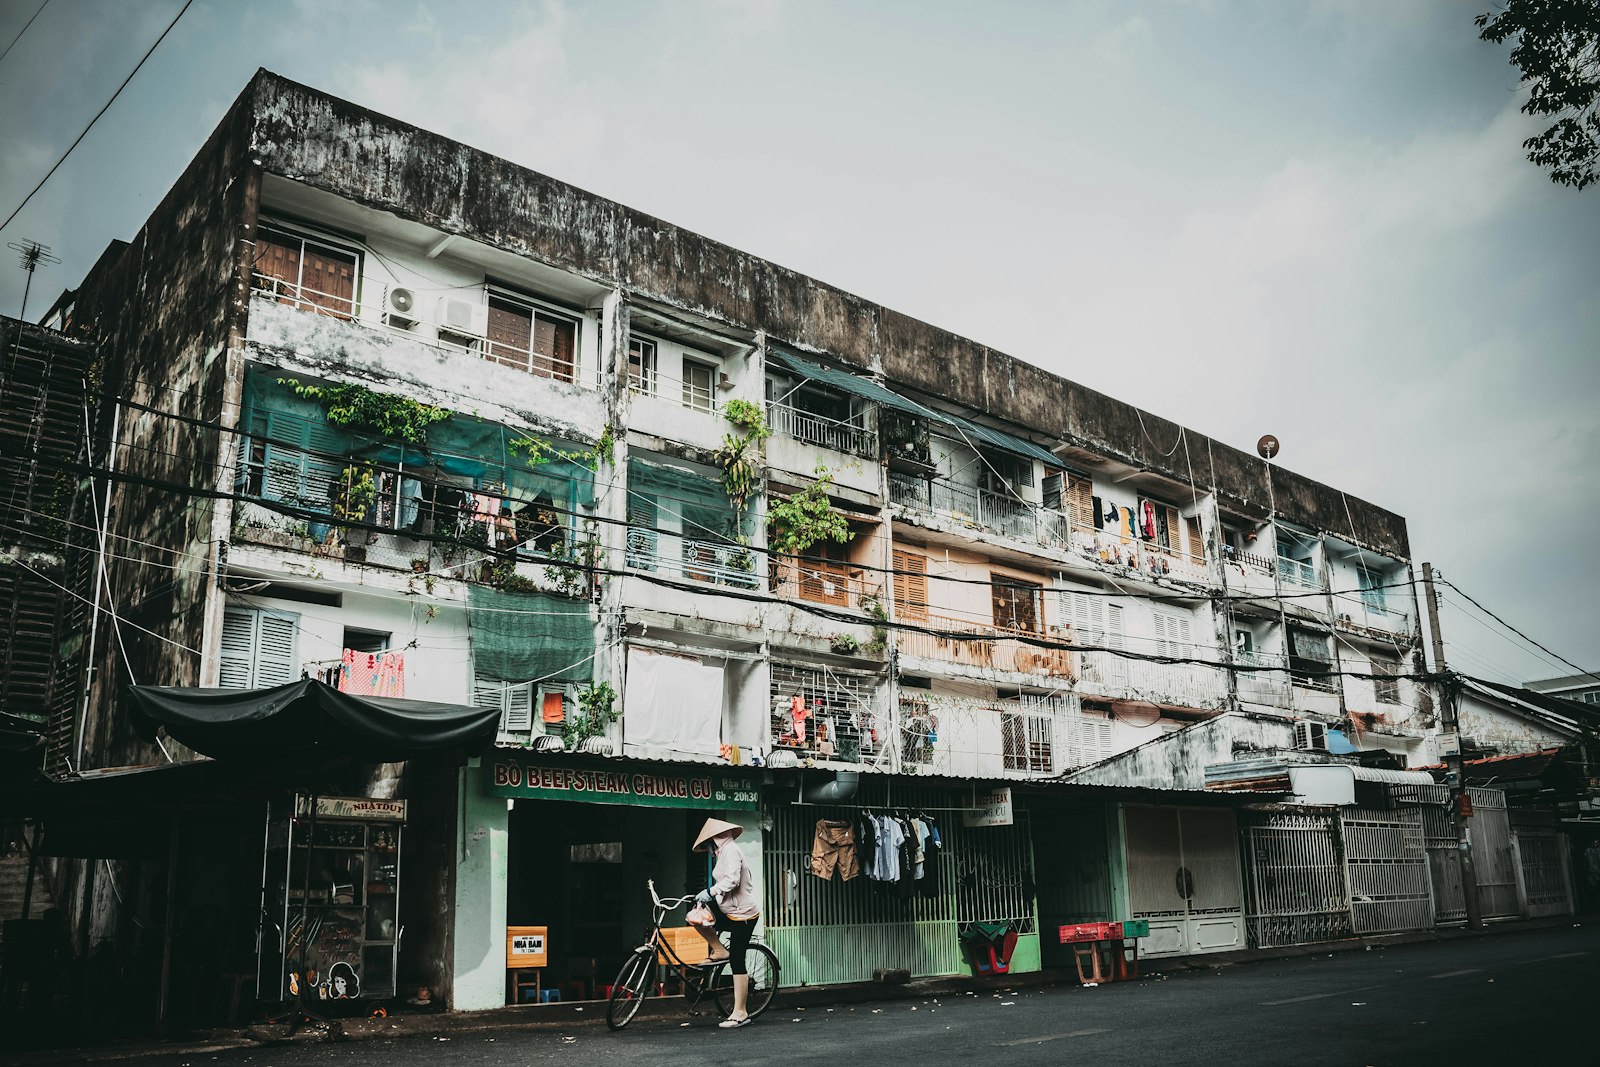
{"points": [[729, 1024]]}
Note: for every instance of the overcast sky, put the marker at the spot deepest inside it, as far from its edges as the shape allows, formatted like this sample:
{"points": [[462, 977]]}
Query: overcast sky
{"points": [[1312, 219]]}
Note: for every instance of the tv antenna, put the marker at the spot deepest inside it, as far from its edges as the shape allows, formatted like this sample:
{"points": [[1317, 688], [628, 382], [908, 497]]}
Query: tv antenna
{"points": [[31, 254]]}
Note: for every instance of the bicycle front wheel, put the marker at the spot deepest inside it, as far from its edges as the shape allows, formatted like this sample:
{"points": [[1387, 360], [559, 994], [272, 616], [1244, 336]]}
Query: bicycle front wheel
{"points": [[762, 963], [629, 990]]}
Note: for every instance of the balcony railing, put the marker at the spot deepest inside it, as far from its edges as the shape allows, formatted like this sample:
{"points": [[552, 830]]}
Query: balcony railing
{"points": [[1260, 683], [674, 556], [979, 508], [1147, 557], [822, 431], [1371, 610], [693, 396], [444, 339], [389, 515], [1298, 572], [996, 647], [1191, 685], [837, 585]]}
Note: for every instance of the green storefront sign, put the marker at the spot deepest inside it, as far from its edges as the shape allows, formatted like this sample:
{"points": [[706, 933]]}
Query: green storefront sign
{"points": [[513, 777]]}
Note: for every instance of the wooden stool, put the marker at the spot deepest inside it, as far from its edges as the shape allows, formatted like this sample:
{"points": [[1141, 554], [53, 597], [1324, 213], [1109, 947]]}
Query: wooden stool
{"points": [[524, 979]]}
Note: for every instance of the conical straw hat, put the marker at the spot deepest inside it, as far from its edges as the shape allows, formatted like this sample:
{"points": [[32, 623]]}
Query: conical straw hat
{"points": [[712, 828]]}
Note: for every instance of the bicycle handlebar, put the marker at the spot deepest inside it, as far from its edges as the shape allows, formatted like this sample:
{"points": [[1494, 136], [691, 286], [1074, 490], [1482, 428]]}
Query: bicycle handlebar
{"points": [[670, 902]]}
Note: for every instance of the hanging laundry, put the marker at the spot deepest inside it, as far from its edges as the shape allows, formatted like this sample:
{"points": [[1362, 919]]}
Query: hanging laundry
{"points": [[867, 844], [1099, 515], [1111, 514], [1147, 520], [799, 713], [929, 886], [1125, 520], [372, 674], [833, 848]]}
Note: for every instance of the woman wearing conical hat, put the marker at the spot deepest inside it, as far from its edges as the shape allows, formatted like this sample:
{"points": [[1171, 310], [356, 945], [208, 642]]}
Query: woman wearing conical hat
{"points": [[736, 906]]}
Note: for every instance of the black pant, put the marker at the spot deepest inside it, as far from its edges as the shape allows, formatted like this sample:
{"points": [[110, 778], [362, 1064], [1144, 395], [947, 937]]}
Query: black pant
{"points": [[739, 932]]}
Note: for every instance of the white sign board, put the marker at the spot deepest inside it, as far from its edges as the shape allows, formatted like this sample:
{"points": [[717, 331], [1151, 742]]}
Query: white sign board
{"points": [[992, 808], [353, 808], [1449, 744]]}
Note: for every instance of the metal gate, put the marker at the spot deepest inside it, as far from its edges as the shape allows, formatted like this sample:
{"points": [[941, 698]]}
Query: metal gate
{"points": [[1183, 876], [1542, 853], [1295, 889], [1386, 860], [1493, 857], [837, 931]]}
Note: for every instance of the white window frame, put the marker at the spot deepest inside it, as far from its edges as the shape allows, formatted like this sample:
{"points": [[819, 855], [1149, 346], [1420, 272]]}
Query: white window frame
{"points": [[536, 309], [293, 232], [1037, 734], [645, 380], [258, 649], [690, 395]]}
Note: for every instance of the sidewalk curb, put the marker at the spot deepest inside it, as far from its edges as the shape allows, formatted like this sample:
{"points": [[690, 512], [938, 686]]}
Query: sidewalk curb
{"points": [[442, 1026]]}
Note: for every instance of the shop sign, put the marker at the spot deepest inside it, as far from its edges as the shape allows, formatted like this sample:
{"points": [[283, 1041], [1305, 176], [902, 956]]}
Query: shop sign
{"points": [[658, 789], [352, 808], [992, 808]]}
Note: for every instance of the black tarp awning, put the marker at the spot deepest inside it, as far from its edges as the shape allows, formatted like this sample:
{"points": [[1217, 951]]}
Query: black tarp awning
{"points": [[308, 717]]}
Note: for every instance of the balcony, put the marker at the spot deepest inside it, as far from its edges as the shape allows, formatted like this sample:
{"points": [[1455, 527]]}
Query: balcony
{"points": [[1370, 611], [822, 431], [415, 519], [1148, 558], [979, 508], [1263, 678], [837, 585], [674, 556], [972, 737], [1190, 685], [827, 715], [1299, 573], [994, 648]]}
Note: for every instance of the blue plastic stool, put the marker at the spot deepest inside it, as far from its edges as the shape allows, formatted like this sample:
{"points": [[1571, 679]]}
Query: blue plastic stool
{"points": [[549, 996]]}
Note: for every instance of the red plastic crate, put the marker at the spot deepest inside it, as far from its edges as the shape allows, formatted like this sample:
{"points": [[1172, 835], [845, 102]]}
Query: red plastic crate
{"points": [[1090, 932]]}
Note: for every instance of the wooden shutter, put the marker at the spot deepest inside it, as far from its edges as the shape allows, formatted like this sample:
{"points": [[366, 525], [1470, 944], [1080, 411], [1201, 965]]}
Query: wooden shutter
{"points": [[328, 281], [278, 258], [510, 334], [276, 663], [1080, 502], [238, 649], [1053, 491], [1172, 541], [555, 340], [910, 586], [1197, 540]]}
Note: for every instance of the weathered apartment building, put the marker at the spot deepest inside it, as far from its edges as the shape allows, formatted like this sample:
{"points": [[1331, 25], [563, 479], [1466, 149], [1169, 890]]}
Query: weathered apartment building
{"points": [[690, 532]]}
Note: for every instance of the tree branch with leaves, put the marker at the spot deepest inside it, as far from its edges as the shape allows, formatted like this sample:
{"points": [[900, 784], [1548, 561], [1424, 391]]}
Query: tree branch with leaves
{"points": [[1557, 49]]}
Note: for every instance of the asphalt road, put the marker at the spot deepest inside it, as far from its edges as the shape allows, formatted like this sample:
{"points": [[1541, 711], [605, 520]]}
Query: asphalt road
{"points": [[1518, 998]]}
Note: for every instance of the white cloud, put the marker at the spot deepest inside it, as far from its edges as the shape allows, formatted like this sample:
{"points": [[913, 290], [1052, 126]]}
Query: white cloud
{"points": [[750, 16], [1118, 45]]}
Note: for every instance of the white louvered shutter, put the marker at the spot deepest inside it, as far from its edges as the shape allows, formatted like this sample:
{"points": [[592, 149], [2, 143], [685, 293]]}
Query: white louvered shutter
{"points": [[488, 693], [517, 716], [238, 649], [1088, 618], [1172, 634], [1114, 631], [276, 662]]}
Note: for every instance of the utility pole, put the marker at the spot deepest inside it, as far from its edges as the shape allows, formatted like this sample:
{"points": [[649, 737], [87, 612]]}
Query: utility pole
{"points": [[1455, 777]]}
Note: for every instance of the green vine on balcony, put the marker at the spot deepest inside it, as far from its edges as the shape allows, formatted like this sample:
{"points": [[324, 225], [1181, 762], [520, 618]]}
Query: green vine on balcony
{"points": [[535, 452], [738, 454], [806, 519], [363, 410]]}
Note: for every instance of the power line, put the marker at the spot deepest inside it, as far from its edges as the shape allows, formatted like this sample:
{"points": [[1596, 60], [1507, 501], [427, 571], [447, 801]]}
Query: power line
{"points": [[1519, 633], [24, 30], [97, 115]]}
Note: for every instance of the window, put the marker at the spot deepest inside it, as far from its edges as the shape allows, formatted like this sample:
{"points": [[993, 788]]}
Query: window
{"points": [[1164, 532], [306, 273], [1002, 472], [365, 640], [699, 381], [1386, 684], [1096, 621], [258, 649], [1310, 660], [1592, 697], [1172, 635], [642, 366], [1026, 742], [1016, 603], [524, 706], [1371, 583], [531, 338], [910, 586]]}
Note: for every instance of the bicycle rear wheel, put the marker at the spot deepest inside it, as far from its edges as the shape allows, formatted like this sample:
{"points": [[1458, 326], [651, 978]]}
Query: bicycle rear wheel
{"points": [[762, 964], [629, 990]]}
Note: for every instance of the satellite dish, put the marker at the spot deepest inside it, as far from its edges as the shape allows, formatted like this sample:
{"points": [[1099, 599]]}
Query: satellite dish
{"points": [[1267, 447]]}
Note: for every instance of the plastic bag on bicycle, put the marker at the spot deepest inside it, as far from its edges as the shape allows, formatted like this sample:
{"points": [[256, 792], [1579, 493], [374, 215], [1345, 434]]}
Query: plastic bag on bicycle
{"points": [[700, 915]]}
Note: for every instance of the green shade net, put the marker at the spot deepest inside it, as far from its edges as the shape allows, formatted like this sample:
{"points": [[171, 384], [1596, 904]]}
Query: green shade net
{"points": [[297, 433], [518, 637]]}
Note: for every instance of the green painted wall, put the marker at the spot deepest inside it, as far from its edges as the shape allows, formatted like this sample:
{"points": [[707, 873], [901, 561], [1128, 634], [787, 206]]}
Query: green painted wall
{"points": [[480, 905]]}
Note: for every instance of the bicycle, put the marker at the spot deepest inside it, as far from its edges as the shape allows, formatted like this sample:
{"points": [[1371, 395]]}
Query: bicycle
{"points": [[639, 972]]}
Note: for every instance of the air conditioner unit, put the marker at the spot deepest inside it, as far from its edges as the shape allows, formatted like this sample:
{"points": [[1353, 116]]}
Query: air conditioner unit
{"points": [[1310, 737], [400, 307], [462, 317]]}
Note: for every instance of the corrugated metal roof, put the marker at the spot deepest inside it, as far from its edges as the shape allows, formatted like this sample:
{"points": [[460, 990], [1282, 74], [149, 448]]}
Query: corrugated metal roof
{"points": [[1382, 774], [867, 389]]}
